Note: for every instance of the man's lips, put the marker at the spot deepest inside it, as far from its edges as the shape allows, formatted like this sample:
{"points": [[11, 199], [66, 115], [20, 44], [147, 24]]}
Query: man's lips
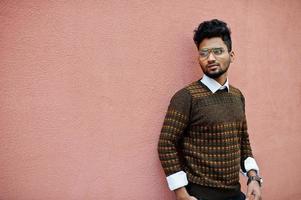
{"points": [[211, 66]]}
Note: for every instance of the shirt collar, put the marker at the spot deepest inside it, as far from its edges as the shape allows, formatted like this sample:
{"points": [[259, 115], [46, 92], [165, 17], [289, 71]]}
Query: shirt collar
{"points": [[213, 85]]}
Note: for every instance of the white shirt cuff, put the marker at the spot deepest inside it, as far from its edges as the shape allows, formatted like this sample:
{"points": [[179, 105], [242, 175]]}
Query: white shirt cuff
{"points": [[177, 180], [249, 164]]}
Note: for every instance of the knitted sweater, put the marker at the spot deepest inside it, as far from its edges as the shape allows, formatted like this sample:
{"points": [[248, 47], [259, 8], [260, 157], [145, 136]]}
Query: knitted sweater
{"points": [[205, 135]]}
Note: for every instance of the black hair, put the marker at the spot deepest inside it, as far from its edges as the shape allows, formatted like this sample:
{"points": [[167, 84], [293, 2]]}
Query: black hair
{"points": [[213, 28]]}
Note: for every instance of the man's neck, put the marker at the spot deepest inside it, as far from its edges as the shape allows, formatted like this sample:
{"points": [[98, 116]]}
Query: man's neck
{"points": [[222, 79]]}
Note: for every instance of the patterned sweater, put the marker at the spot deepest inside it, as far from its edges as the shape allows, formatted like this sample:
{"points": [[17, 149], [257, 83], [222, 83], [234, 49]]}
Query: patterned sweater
{"points": [[205, 135]]}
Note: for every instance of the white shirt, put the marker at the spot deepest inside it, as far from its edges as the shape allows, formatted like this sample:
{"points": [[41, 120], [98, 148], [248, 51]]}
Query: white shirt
{"points": [[213, 85]]}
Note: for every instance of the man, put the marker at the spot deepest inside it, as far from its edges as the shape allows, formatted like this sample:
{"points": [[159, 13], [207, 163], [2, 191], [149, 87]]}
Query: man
{"points": [[204, 140]]}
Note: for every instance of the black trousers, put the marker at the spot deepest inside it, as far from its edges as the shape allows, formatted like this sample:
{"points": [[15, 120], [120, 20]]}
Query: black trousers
{"points": [[242, 196], [200, 194]]}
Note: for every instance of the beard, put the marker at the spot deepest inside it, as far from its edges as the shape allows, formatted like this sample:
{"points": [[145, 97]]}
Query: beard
{"points": [[216, 74]]}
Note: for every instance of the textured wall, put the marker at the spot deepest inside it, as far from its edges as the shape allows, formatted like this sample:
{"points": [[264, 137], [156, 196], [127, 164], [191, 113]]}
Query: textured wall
{"points": [[84, 86]]}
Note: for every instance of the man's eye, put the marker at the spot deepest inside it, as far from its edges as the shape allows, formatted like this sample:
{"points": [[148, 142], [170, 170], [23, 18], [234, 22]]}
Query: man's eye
{"points": [[218, 51], [203, 53]]}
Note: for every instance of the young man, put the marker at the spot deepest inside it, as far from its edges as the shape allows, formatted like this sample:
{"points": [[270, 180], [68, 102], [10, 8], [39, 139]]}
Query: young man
{"points": [[204, 140]]}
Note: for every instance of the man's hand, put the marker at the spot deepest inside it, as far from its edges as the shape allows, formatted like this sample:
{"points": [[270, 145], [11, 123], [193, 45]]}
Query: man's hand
{"points": [[188, 198], [253, 191], [182, 194]]}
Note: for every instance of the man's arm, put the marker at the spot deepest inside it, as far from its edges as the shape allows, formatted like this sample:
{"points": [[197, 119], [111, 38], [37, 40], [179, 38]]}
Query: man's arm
{"points": [[248, 163], [247, 160], [174, 125]]}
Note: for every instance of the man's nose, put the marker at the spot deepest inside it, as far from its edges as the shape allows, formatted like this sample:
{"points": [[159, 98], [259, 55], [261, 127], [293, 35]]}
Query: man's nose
{"points": [[211, 57]]}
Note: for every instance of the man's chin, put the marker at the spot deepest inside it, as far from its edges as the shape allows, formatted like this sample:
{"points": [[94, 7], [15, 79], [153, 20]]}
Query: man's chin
{"points": [[214, 75]]}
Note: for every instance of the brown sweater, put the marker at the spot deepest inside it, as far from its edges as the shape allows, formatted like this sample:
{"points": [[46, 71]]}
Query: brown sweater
{"points": [[205, 135]]}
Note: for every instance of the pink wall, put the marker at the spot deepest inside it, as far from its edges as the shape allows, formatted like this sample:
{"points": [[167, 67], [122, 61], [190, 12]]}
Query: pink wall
{"points": [[84, 86]]}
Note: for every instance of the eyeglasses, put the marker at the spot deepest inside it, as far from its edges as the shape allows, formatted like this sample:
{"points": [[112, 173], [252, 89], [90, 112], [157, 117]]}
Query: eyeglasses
{"points": [[204, 53]]}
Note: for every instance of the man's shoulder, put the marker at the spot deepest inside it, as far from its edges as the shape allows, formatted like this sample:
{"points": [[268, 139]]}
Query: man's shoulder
{"points": [[182, 93], [235, 90], [186, 92], [193, 89], [181, 100]]}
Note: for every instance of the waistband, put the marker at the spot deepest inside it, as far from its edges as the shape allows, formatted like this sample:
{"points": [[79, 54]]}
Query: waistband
{"points": [[211, 193]]}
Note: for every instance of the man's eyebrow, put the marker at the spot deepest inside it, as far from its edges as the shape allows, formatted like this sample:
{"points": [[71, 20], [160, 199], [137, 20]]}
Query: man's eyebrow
{"points": [[204, 49]]}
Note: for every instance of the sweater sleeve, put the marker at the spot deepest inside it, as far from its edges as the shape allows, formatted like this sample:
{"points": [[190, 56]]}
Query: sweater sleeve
{"points": [[174, 125], [247, 160]]}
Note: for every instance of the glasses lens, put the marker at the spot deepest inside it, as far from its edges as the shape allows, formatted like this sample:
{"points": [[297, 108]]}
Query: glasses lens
{"points": [[203, 53], [218, 51]]}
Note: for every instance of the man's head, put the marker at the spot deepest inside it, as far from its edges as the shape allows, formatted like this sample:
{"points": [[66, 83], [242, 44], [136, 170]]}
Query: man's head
{"points": [[213, 28], [213, 41]]}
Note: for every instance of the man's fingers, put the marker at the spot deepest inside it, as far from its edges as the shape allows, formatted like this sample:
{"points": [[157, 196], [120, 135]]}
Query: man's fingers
{"points": [[249, 197], [257, 197]]}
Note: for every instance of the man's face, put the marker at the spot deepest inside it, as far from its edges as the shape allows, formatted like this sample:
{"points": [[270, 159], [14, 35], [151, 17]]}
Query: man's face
{"points": [[214, 57]]}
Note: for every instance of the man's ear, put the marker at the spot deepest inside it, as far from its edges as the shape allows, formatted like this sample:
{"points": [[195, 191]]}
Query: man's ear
{"points": [[232, 56]]}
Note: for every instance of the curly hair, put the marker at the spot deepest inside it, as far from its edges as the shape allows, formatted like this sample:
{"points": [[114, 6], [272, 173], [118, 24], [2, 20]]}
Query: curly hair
{"points": [[210, 29]]}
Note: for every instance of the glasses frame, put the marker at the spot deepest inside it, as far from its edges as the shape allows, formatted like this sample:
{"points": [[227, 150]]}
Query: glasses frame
{"points": [[211, 50]]}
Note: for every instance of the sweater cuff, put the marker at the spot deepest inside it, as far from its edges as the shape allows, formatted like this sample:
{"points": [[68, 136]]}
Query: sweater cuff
{"points": [[249, 164], [177, 180]]}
